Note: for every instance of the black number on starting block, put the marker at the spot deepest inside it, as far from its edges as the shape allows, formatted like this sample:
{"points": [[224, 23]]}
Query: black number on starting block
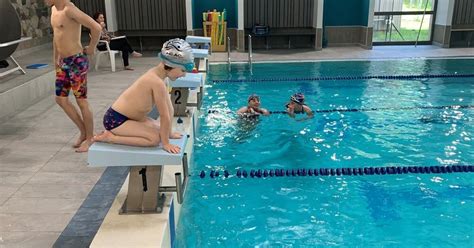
{"points": [[143, 173], [178, 94]]}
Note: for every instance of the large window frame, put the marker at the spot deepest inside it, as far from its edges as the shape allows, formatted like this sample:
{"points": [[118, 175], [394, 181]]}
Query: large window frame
{"points": [[402, 13]]}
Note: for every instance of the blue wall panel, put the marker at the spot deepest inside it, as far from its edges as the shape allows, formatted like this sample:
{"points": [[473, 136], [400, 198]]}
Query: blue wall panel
{"points": [[200, 6], [346, 12]]}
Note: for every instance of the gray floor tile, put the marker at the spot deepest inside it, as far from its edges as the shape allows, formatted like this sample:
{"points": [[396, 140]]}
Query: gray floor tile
{"points": [[15, 177], [7, 190], [20, 222], [40, 206], [28, 239], [64, 178], [3, 200], [75, 191], [66, 156], [15, 160], [38, 146], [12, 129], [58, 166], [6, 140]]}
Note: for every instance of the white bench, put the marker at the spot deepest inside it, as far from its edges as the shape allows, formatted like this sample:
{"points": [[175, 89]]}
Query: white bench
{"points": [[109, 52], [146, 171], [180, 92]]}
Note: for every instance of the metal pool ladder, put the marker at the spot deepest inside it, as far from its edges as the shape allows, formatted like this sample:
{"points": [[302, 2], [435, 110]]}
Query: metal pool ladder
{"points": [[228, 53], [250, 53]]}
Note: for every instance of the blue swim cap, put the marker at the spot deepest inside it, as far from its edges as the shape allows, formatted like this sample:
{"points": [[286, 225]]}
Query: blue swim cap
{"points": [[177, 53]]}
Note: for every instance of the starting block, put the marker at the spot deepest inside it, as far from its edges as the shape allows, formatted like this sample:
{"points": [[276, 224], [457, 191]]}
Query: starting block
{"points": [[198, 39], [145, 192], [180, 92], [200, 50]]}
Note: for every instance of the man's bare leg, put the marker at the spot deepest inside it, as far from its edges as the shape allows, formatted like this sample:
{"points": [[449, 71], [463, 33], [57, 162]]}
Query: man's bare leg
{"points": [[88, 123], [73, 114]]}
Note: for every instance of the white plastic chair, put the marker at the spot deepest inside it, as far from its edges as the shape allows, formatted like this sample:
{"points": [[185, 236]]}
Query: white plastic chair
{"points": [[110, 52]]}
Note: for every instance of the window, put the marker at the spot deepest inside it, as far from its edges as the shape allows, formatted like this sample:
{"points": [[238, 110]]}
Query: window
{"points": [[403, 21]]}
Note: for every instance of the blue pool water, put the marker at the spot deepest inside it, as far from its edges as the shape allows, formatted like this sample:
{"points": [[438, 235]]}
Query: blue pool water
{"points": [[422, 210]]}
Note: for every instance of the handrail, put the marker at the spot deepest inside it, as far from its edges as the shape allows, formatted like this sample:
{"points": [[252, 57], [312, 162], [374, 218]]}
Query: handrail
{"points": [[228, 52], [250, 52], [15, 41]]}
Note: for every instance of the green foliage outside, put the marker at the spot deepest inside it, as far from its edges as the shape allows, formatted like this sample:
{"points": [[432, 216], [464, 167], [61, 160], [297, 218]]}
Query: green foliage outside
{"points": [[408, 35], [417, 5]]}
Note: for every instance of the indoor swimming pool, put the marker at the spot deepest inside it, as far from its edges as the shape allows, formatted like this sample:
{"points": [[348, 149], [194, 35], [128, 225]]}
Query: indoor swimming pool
{"points": [[367, 114]]}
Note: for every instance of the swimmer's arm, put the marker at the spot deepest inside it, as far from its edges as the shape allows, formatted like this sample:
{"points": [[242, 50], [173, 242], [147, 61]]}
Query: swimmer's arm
{"points": [[169, 104], [291, 112], [264, 111], [242, 110], [55, 55], [160, 96], [85, 20], [308, 111], [309, 114]]}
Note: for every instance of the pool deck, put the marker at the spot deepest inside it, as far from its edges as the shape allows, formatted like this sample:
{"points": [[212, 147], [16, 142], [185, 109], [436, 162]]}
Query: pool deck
{"points": [[43, 182], [347, 53]]}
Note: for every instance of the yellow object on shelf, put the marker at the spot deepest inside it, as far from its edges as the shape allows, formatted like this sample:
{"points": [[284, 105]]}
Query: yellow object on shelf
{"points": [[217, 31]]}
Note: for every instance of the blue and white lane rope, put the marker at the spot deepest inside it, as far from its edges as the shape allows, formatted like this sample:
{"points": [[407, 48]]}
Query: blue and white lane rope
{"points": [[332, 78], [361, 171], [455, 107]]}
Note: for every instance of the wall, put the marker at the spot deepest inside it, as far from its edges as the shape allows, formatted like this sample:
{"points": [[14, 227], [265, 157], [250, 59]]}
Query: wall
{"points": [[279, 13], [35, 22], [442, 26], [200, 6], [444, 13], [345, 23], [463, 16], [346, 12], [90, 7]]}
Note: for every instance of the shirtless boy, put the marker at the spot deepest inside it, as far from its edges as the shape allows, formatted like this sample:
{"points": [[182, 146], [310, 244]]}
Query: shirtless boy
{"points": [[71, 63], [253, 107], [126, 121]]}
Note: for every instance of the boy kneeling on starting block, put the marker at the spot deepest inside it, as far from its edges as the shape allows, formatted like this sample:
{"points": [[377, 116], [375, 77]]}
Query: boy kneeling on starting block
{"points": [[126, 121]]}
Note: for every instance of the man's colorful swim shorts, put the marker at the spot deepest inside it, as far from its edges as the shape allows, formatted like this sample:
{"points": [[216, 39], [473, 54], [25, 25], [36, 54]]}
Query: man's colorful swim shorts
{"points": [[72, 74]]}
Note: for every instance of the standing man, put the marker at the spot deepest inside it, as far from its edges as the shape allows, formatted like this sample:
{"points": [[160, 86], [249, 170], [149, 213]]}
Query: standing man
{"points": [[72, 64]]}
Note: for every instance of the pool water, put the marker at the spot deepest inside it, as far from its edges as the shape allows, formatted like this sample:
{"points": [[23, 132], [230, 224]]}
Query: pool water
{"points": [[411, 210]]}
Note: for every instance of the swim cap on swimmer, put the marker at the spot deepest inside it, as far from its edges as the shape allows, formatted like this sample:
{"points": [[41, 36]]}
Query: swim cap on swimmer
{"points": [[252, 97], [298, 98], [177, 53]]}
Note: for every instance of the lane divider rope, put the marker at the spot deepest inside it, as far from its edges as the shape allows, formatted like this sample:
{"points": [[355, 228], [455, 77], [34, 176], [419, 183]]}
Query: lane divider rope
{"points": [[332, 78], [214, 111], [360, 171]]}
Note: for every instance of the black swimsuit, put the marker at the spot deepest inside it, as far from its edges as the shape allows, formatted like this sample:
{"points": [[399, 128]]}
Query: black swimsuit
{"points": [[297, 112]]}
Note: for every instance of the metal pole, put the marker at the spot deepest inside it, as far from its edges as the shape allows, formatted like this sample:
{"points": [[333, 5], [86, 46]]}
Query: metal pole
{"points": [[250, 52], [422, 19], [179, 188], [228, 52]]}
